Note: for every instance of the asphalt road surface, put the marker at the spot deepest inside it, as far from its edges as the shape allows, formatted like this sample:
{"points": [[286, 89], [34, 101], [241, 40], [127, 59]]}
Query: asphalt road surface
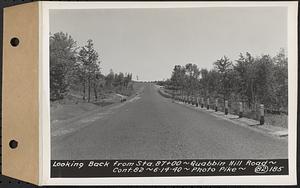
{"points": [[150, 126]]}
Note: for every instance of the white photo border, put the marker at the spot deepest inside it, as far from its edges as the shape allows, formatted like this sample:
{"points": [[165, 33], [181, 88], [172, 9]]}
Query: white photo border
{"points": [[45, 144]]}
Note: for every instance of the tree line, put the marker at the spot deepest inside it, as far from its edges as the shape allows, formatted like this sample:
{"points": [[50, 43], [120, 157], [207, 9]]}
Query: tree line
{"points": [[252, 80], [78, 68]]}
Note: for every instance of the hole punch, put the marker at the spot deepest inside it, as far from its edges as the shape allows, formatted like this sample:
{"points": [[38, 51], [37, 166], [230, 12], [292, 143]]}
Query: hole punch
{"points": [[14, 42], [13, 144]]}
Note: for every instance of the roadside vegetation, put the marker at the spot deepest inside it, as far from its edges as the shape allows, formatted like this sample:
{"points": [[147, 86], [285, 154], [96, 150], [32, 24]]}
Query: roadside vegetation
{"points": [[75, 72], [248, 79], [77, 84]]}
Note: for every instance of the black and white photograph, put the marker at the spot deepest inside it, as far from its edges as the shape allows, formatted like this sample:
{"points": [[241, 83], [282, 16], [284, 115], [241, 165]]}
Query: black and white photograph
{"points": [[191, 83]]}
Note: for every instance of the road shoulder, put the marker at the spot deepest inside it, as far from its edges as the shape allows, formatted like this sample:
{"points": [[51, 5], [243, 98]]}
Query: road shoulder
{"points": [[270, 130]]}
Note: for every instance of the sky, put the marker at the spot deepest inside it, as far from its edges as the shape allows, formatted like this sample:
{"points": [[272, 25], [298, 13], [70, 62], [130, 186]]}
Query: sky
{"points": [[149, 42]]}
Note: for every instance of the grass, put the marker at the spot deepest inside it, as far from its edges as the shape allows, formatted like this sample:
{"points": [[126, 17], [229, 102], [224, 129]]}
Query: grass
{"points": [[73, 105], [67, 111], [280, 120]]}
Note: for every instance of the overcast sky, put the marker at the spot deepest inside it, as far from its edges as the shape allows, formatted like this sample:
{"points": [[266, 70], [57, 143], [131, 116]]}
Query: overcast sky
{"points": [[149, 42]]}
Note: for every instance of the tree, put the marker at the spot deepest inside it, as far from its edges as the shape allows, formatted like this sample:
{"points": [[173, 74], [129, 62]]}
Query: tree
{"points": [[281, 79], [88, 56], [127, 79], [224, 66], [204, 90], [193, 73], [118, 81], [62, 64], [264, 79], [109, 79], [74, 69], [213, 83], [245, 77], [178, 77]]}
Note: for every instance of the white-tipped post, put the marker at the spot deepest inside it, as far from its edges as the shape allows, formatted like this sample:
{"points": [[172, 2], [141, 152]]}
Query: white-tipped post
{"points": [[241, 110], [262, 114], [226, 107], [207, 106]]}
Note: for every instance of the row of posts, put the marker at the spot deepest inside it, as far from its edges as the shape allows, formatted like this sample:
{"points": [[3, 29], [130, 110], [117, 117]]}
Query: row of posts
{"points": [[192, 101]]}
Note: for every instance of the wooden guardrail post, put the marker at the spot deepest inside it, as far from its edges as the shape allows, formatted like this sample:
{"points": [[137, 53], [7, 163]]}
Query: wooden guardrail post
{"points": [[207, 105], [262, 114], [241, 110], [226, 107], [216, 105], [197, 101]]}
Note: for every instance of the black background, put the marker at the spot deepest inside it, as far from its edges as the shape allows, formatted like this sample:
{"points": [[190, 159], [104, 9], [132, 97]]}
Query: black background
{"points": [[87, 171], [6, 182]]}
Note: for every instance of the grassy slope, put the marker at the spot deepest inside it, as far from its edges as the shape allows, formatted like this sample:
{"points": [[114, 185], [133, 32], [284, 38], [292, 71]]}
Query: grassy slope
{"points": [[73, 105]]}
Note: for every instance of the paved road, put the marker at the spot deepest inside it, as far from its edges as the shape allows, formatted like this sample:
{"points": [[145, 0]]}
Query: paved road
{"points": [[150, 126]]}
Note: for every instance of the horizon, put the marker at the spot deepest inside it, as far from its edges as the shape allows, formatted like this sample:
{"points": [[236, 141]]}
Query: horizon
{"points": [[149, 42]]}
